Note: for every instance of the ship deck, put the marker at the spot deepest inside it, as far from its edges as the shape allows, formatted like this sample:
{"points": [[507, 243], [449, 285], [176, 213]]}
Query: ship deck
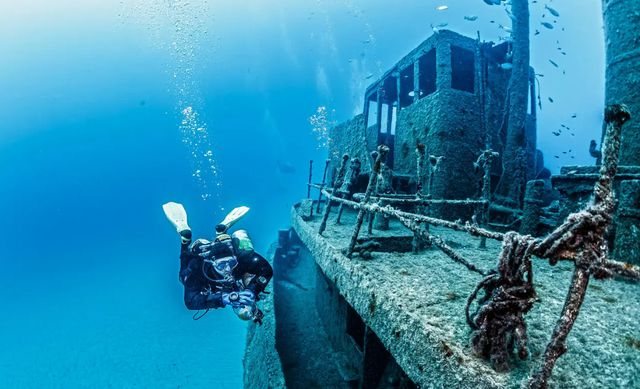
{"points": [[415, 305]]}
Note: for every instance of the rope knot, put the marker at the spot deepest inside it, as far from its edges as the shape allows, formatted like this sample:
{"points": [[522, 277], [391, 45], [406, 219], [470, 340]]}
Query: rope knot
{"points": [[509, 294]]}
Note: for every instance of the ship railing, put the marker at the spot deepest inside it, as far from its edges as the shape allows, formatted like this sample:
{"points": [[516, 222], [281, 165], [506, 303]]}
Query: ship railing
{"points": [[509, 290]]}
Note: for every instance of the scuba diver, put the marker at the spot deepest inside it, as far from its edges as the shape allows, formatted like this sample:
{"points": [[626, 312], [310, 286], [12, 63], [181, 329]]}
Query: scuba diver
{"points": [[222, 272]]}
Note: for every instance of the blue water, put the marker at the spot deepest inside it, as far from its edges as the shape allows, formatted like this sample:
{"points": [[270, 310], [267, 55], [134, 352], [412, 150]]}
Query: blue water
{"points": [[91, 146]]}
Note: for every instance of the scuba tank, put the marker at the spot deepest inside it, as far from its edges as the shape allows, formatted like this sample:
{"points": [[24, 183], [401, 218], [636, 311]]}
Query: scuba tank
{"points": [[243, 243], [244, 246]]}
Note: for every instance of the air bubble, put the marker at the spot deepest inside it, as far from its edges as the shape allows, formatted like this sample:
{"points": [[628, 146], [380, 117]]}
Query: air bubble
{"points": [[320, 125]]}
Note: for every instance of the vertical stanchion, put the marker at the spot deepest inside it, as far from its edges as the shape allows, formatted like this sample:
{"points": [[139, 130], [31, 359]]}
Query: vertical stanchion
{"points": [[310, 176], [593, 251], [350, 179], [382, 154], [371, 216], [486, 192], [324, 179], [418, 242], [336, 185]]}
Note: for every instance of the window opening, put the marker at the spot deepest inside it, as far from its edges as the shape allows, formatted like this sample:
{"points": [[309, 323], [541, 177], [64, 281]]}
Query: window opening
{"points": [[427, 74], [462, 69]]}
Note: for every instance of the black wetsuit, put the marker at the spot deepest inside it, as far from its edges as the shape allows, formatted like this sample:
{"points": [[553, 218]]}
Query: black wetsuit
{"points": [[203, 287]]}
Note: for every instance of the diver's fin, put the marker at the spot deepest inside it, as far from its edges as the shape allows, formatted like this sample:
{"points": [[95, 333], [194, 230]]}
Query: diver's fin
{"points": [[233, 216], [178, 217]]}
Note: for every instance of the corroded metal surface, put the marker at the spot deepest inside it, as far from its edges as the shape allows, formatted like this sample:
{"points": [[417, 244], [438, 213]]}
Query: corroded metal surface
{"points": [[415, 304]]}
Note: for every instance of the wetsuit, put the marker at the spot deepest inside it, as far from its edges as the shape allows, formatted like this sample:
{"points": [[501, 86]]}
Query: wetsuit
{"points": [[203, 287]]}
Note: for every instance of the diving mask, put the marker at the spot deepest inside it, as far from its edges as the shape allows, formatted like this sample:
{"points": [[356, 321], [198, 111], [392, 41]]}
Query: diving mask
{"points": [[224, 266]]}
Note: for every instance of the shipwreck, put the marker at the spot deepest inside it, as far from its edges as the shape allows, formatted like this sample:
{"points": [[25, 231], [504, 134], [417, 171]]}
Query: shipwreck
{"points": [[438, 251]]}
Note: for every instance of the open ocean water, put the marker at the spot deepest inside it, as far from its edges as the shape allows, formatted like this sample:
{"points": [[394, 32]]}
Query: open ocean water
{"points": [[108, 109]]}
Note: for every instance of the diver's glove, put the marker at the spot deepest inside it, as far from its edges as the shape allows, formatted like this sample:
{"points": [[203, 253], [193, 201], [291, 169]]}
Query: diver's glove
{"points": [[237, 299], [246, 297], [228, 297]]}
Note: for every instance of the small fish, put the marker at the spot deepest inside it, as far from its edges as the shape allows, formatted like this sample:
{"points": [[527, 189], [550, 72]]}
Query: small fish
{"points": [[562, 125], [286, 167], [563, 53], [564, 152], [506, 66], [550, 99], [412, 93], [557, 156], [368, 76], [442, 25], [492, 2], [509, 56], [537, 32], [553, 63], [574, 115], [572, 157], [555, 133], [471, 18], [539, 74], [513, 18], [437, 28], [547, 25], [442, 7], [506, 29], [552, 11]]}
